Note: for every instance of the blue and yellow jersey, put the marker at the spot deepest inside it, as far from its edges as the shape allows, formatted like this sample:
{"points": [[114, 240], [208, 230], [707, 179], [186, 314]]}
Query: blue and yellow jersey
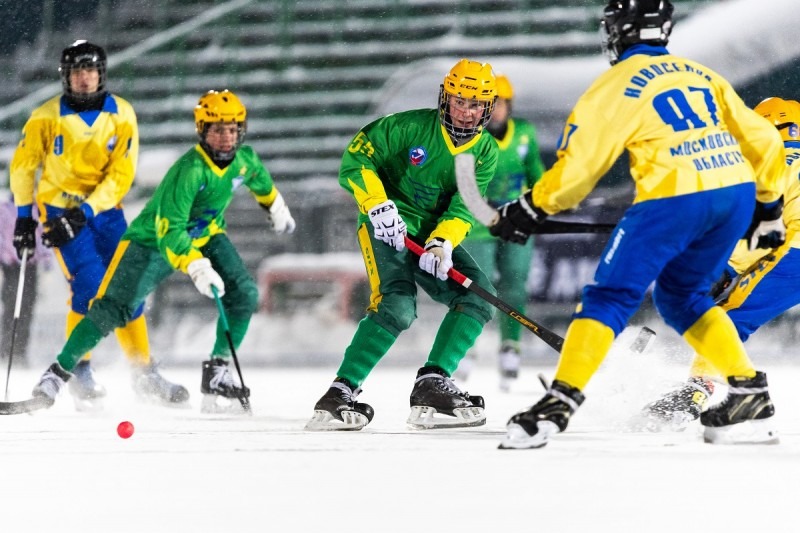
{"points": [[685, 128], [742, 258], [88, 157]]}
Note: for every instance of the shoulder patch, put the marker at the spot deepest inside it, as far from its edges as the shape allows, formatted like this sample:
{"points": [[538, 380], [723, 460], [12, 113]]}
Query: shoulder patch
{"points": [[417, 156]]}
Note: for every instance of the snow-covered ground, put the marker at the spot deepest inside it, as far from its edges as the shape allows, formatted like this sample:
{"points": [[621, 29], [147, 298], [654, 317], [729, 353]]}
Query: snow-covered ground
{"points": [[182, 471]]}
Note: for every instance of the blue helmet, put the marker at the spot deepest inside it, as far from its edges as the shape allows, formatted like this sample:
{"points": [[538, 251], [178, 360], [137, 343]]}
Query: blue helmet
{"points": [[629, 22]]}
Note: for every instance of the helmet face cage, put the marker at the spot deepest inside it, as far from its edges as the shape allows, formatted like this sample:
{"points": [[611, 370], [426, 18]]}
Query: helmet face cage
{"points": [[629, 22], [83, 55], [783, 114], [223, 107], [472, 82]]}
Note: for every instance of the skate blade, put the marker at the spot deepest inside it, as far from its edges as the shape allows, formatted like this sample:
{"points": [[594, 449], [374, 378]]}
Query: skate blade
{"points": [[749, 432], [423, 417], [518, 439], [218, 405], [324, 421]]}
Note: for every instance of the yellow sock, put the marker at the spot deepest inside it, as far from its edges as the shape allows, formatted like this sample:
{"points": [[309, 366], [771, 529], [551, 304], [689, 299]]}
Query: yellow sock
{"points": [[585, 346], [73, 318], [133, 340], [714, 338]]}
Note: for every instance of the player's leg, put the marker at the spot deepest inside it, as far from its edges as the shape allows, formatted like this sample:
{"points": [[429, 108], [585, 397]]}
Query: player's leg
{"points": [[434, 393], [391, 310], [513, 265]]}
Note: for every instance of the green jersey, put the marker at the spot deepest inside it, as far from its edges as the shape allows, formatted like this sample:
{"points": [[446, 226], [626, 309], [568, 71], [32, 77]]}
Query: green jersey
{"points": [[188, 207], [408, 158], [519, 166]]}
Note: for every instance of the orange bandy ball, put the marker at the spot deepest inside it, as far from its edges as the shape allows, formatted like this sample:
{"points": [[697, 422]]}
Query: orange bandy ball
{"points": [[125, 429]]}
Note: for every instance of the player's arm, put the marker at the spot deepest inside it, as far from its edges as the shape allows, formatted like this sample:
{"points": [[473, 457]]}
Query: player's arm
{"points": [[358, 172], [180, 188], [760, 142], [27, 158], [263, 189], [121, 167]]}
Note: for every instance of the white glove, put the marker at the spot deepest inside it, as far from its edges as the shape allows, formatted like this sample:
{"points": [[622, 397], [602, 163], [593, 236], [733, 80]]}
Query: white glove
{"points": [[438, 258], [279, 216], [204, 277], [389, 226]]}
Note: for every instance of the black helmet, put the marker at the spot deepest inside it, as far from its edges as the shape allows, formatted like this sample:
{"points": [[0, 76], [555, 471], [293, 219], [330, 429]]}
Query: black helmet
{"points": [[629, 22], [83, 54]]}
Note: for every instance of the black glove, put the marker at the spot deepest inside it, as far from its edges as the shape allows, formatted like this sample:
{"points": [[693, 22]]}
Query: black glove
{"points": [[62, 229], [518, 220], [25, 236], [767, 229], [722, 288]]}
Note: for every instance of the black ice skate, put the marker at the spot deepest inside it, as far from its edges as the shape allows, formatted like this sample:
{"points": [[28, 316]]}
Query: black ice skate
{"points": [[550, 415], [435, 393], [51, 383], [678, 408], [338, 409], [151, 386], [744, 417], [87, 393], [221, 393]]}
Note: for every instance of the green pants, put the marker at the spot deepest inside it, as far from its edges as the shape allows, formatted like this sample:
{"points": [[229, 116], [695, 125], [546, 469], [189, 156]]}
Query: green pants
{"points": [[136, 271], [509, 263], [394, 278]]}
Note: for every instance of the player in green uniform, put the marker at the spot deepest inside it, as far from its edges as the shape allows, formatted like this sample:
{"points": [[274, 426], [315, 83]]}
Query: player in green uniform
{"points": [[400, 170], [519, 166], [182, 227]]}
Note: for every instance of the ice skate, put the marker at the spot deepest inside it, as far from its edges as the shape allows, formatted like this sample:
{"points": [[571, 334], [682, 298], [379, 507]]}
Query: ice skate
{"points": [[151, 386], [744, 417], [221, 393], [338, 409], [87, 394], [550, 415], [434, 393], [508, 359], [50, 384], [676, 409]]}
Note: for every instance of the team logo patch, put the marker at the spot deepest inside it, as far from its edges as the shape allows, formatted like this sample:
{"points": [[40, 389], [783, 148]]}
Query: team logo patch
{"points": [[112, 142], [58, 145], [237, 182], [417, 156], [794, 131]]}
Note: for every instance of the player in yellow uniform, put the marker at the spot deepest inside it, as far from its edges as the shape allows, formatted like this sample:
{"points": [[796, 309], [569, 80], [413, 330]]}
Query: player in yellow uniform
{"points": [[756, 286], [86, 142], [704, 165]]}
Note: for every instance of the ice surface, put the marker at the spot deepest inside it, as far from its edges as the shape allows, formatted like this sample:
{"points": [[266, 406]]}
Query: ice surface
{"points": [[182, 471]]}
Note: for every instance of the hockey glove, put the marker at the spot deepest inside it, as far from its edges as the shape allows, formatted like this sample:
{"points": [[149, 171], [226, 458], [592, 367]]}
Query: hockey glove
{"points": [[279, 216], [25, 236], [767, 229], [723, 287], [60, 230], [388, 225], [518, 219], [438, 258], [204, 277]]}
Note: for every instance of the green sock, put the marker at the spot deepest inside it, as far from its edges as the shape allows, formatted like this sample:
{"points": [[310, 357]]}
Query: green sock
{"points": [[456, 335], [83, 338], [370, 342]]}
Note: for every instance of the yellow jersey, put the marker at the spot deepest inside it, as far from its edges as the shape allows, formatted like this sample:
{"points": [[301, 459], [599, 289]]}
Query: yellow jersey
{"points": [[88, 157], [685, 128]]}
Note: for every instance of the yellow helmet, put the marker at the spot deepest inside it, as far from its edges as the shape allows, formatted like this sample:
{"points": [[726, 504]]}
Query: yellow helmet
{"points": [[783, 114], [504, 87], [220, 106], [468, 80]]}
